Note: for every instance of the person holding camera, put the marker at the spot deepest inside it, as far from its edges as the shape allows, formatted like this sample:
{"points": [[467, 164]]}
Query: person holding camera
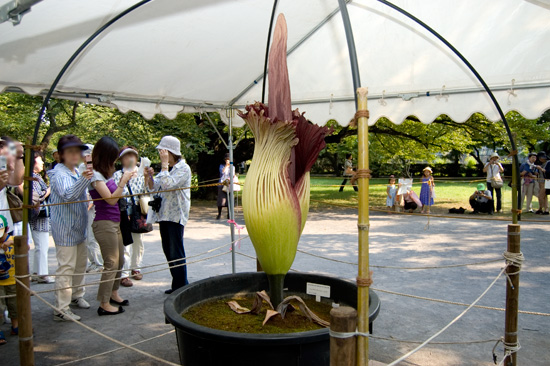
{"points": [[494, 180], [106, 224], [528, 172], [69, 223], [171, 209], [482, 200]]}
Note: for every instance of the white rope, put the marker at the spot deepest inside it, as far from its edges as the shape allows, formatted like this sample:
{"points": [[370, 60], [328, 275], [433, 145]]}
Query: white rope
{"points": [[114, 350], [95, 331], [405, 268], [102, 281], [344, 335], [423, 344], [509, 349]]}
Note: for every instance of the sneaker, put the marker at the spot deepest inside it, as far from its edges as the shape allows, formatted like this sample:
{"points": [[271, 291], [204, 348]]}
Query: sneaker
{"points": [[45, 279], [81, 303], [34, 277], [94, 268], [65, 316], [546, 213]]}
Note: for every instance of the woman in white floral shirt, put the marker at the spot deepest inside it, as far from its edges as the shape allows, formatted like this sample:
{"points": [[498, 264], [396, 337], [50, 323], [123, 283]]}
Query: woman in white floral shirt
{"points": [[133, 253], [174, 209]]}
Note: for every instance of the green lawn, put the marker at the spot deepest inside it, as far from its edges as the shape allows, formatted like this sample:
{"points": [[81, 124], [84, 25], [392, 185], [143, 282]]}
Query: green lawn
{"points": [[449, 193]]}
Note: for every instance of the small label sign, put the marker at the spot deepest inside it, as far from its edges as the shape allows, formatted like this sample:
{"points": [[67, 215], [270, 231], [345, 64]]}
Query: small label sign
{"points": [[317, 290]]}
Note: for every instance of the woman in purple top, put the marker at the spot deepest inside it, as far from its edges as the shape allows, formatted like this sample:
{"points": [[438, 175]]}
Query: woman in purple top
{"points": [[106, 224]]}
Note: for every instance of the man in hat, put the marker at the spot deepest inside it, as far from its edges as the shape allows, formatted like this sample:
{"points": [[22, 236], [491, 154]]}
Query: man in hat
{"points": [[173, 213], [482, 200], [528, 173], [543, 174]]}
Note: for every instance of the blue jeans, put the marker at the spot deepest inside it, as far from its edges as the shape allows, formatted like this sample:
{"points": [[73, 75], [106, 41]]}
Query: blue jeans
{"points": [[171, 234]]}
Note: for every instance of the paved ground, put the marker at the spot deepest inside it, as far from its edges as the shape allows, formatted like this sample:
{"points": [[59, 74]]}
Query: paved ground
{"points": [[395, 240]]}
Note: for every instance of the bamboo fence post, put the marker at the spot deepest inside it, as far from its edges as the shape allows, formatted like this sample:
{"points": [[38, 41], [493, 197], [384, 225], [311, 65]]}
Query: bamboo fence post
{"points": [[343, 350], [512, 294], [24, 315], [363, 226]]}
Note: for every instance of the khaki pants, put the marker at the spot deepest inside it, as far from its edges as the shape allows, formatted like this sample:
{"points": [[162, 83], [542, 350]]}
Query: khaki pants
{"points": [[71, 260], [107, 234], [527, 191]]}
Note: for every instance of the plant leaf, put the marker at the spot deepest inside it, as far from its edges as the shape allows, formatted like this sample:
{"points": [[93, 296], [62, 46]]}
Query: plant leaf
{"points": [[270, 314], [238, 308]]}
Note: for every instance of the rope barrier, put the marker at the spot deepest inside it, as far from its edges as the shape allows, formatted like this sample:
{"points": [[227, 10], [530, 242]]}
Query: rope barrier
{"points": [[426, 342], [431, 215], [441, 343], [102, 281], [33, 293], [428, 298], [404, 268], [114, 350], [114, 197]]}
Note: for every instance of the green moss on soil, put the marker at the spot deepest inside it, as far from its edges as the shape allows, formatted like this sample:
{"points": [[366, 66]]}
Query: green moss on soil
{"points": [[216, 314]]}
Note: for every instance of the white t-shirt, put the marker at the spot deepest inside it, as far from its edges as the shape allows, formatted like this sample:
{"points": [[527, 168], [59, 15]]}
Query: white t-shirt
{"points": [[493, 171], [4, 205]]}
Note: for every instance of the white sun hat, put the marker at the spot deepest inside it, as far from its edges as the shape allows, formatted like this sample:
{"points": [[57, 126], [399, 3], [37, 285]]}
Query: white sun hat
{"points": [[171, 144]]}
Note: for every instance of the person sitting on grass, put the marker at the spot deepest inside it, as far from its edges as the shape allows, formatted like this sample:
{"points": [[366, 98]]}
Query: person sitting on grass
{"points": [[481, 200], [411, 201], [7, 282]]}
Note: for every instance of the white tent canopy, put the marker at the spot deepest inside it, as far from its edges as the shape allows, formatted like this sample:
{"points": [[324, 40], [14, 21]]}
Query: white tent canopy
{"points": [[172, 56]]}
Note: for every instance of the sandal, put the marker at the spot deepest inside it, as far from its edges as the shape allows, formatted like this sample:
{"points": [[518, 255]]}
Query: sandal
{"points": [[14, 331], [136, 275], [126, 282], [2, 339]]}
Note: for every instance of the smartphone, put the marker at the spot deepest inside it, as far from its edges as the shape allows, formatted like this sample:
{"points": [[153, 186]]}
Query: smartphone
{"points": [[3, 163], [88, 159]]}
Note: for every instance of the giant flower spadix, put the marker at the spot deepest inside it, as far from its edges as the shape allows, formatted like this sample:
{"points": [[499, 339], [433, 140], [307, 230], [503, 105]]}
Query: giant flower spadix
{"points": [[276, 195]]}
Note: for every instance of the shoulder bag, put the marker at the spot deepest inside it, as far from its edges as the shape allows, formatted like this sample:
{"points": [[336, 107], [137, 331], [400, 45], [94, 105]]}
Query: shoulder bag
{"points": [[496, 182], [14, 202], [138, 221]]}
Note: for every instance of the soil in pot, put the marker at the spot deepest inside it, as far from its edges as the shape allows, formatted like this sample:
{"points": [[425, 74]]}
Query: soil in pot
{"points": [[217, 314]]}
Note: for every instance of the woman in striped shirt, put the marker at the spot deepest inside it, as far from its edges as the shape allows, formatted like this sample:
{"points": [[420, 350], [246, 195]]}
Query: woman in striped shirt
{"points": [[69, 223]]}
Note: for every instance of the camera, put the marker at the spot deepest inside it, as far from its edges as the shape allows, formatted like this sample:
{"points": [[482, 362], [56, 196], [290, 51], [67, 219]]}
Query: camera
{"points": [[3, 163], [156, 203]]}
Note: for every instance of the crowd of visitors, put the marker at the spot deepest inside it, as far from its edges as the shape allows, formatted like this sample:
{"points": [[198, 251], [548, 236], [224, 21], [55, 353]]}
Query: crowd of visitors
{"points": [[535, 182], [103, 235]]}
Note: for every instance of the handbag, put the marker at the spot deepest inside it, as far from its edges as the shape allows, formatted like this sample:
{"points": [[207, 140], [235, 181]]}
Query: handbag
{"points": [[125, 227], [138, 221], [15, 202], [236, 185], [496, 182]]}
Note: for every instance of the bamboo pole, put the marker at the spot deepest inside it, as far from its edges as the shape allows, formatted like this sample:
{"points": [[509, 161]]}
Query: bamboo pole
{"points": [[363, 225], [343, 350], [24, 313], [512, 294]]}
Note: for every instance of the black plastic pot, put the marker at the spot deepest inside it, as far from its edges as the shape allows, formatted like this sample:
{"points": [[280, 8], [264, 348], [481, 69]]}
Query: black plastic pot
{"points": [[202, 346]]}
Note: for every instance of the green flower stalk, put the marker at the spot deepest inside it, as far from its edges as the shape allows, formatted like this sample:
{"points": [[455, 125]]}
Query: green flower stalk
{"points": [[276, 196]]}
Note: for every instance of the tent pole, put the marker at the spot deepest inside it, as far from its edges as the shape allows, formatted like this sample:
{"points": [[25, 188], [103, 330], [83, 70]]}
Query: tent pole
{"points": [[363, 225], [363, 220], [230, 194]]}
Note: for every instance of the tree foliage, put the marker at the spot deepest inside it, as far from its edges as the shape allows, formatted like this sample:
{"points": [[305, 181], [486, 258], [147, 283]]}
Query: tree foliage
{"points": [[392, 147]]}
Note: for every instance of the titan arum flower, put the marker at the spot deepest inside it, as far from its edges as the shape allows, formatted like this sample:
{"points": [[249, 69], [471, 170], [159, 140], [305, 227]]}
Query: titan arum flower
{"points": [[276, 198]]}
